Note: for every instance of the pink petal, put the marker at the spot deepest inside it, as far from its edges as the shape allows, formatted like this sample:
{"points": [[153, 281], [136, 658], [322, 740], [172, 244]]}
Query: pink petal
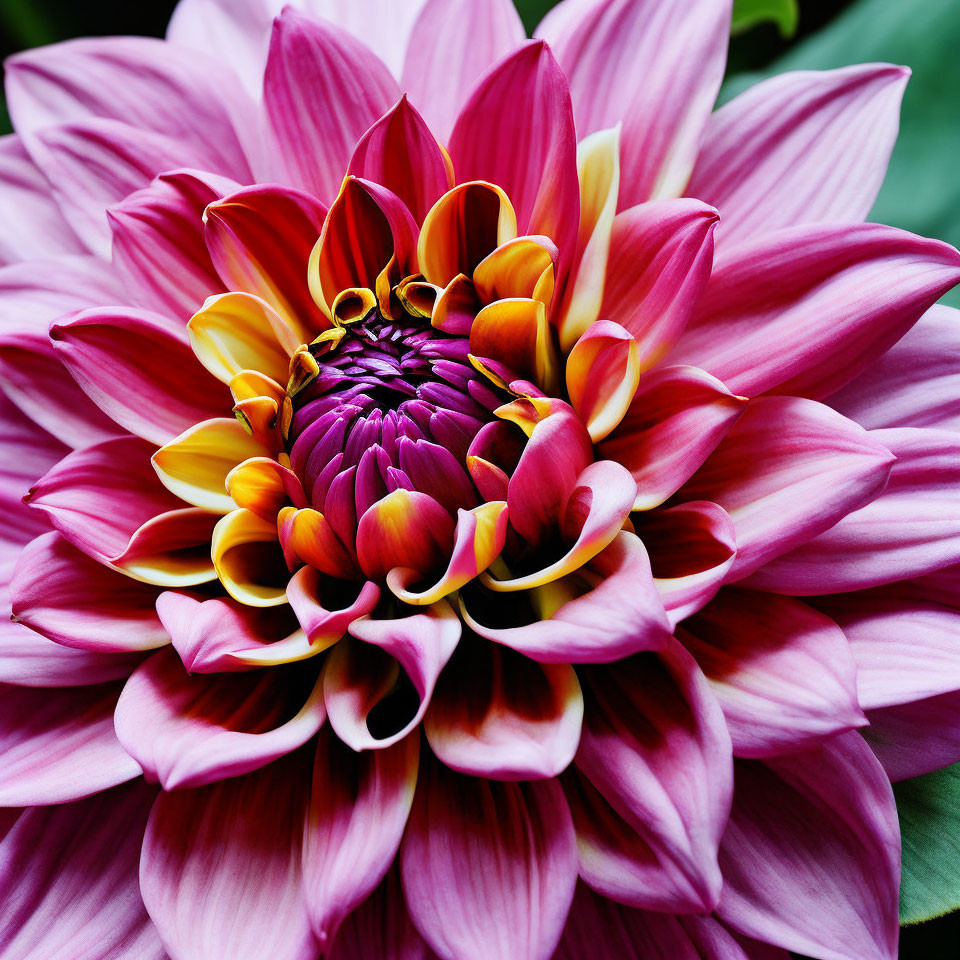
{"points": [[912, 739], [660, 259], [814, 835], [59, 745], [655, 746], [26, 200], [94, 163], [803, 147], [788, 470], [358, 810], [786, 312], [656, 67], [143, 82], [32, 294], [220, 869], [400, 153], [488, 868], [621, 614], [531, 150], [320, 603], [64, 595], [188, 731], [378, 690], [601, 927], [497, 714], [222, 634], [889, 671], [692, 548], [677, 417], [916, 383], [322, 90], [138, 368], [158, 242], [912, 528], [68, 884], [451, 46], [381, 927], [784, 674]]}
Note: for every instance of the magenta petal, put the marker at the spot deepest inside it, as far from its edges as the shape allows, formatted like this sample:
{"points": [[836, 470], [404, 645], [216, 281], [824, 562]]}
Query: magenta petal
{"points": [[139, 369], [539, 170], [660, 259], [59, 745], [451, 46], [654, 66], [26, 200], [322, 89], [69, 880], [61, 593], [814, 835], [188, 731], [787, 470], [488, 868], [890, 671], [357, 814], [500, 715], [785, 312], [916, 383], [158, 242], [784, 674], [603, 928], [912, 528], [220, 869], [655, 746], [802, 147]]}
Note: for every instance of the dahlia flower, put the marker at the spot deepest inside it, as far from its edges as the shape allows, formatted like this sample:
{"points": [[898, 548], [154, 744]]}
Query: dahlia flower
{"points": [[477, 503]]}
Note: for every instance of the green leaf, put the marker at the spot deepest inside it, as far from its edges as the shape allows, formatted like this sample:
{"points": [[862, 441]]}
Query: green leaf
{"points": [[748, 13], [922, 189], [929, 809]]}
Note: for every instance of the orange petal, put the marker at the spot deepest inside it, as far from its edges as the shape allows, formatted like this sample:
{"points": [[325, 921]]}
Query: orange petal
{"points": [[307, 535], [248, 559], [263, 486], [522, 267], [456, 306]]}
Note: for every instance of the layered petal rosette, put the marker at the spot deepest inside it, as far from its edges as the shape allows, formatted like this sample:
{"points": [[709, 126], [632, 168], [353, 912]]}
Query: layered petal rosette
{"points": [[464, 499]]}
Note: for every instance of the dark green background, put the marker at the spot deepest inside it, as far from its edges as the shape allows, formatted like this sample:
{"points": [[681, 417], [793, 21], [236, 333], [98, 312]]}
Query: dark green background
{"points": [[922, 191]]}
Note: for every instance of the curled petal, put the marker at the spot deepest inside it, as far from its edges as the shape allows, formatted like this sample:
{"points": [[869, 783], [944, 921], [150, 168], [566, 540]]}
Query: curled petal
{"points": [[344, 860], [514, 844], [171, 550], [378, 690], [660, 259], [307, 535], [188, 731], [497, 714], [478, 539], [673, 423], [621, 614], [236, 332], [196, 464], [692, 547], [462, 228], [522, 267], [262, 485], [260, 239], [248, 559], [603, 371], [456, 306]]}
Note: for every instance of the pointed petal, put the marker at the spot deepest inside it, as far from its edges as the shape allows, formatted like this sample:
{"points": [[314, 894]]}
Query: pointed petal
{"points": [[539, 170], [450, 48], [202, 850], [784, 674], [814, 834], [803, 147], [322, 90], [660, 259], [59, 745], [657, 67], [488, 868], [785, 312], [788, 470], [344, 860], [497, 714]]}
